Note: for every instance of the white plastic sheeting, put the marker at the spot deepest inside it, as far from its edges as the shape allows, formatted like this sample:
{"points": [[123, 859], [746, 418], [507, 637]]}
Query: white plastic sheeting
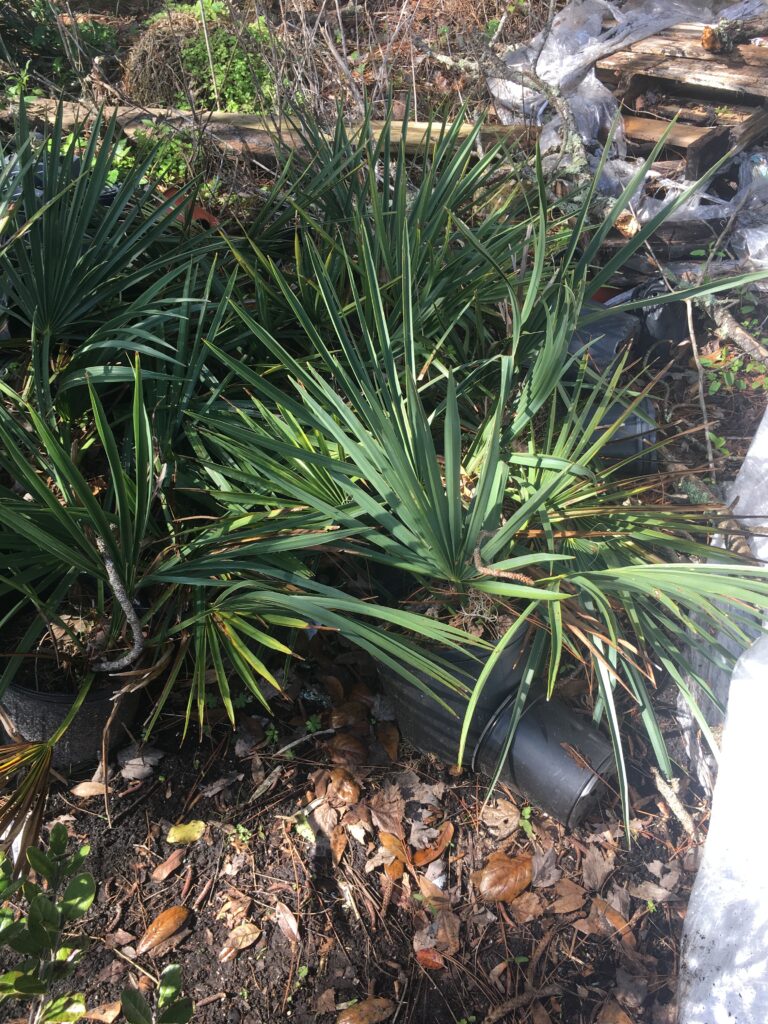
{"points": [[724, 969], [582, 33]]}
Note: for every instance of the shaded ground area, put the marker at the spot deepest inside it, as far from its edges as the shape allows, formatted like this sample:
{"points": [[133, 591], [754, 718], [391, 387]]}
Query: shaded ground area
{"points": [[351, 867]]}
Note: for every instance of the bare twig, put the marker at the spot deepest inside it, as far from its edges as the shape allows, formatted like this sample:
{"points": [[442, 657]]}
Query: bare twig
{"points": [[669, 791], [518, 1002], [730, 329]]}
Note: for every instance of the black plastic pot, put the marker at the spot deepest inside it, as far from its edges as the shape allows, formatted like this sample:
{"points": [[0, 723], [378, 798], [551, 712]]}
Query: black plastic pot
{"points": [[557, 760], [608, 338], [634, 439], [37, 716]]}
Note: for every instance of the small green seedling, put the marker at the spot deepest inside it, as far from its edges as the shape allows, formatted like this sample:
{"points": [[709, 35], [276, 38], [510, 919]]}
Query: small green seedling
{"points": [[313, 724], [48, 952], [171, 1007], [525, 821], [271, 735]]}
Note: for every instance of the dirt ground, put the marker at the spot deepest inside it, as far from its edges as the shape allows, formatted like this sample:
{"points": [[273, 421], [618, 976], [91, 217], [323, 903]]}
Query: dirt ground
{"points": [[350, 867]]}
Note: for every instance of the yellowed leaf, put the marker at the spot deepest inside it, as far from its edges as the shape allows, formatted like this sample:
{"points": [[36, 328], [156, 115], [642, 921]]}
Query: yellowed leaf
{"points": [[369, 1011], [88, 790], [163, 927], [241, 937], [183, 835], [503, 878]]}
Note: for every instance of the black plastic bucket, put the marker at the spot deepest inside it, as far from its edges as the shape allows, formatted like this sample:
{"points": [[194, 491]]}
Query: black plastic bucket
{"points": [[557, 760], [37, 716]]}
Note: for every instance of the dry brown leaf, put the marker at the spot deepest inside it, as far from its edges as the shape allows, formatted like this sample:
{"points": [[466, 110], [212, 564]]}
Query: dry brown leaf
{"points": [[539, 1015], [503, 878], [241, 937], [106, 1013], [369, 1011], [570, 897], [434, 897], [388, 809], [342, 789], [325, 817], [437, 849], [596, 867], [389, 737], [352, 715], [394, 845], [162, 928], [362, 693], [171, 864], [86, 790], [326, 1001], [394, 870], [286, 922], [527, 907], [612, 1013], [649, 891], [339, 840], [334, 688], [430, 959], [502, 817], [545, 869], [447, 927], [344, 748], [604, 920]]}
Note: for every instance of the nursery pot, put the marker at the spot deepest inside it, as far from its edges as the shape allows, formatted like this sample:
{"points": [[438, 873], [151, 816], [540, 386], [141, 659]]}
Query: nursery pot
{"points": [[633, 441], [37, 716], [556, 760]]}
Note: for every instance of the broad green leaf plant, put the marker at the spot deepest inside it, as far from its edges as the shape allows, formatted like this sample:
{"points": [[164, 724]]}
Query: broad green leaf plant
{"points": [[43, 938]]}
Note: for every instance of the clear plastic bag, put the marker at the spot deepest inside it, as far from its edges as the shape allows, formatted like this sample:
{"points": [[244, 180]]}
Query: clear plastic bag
{"points": [[564, 57]]}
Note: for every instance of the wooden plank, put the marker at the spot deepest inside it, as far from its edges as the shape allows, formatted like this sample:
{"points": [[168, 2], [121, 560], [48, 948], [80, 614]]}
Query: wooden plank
{"points": [[249, 134], [673, 44], [648, 129], [715, 77]]}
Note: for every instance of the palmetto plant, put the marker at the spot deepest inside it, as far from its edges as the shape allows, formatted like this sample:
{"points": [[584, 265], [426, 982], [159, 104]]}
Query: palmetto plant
{"points": [[80, 248], [513, 500], [100, 526]]}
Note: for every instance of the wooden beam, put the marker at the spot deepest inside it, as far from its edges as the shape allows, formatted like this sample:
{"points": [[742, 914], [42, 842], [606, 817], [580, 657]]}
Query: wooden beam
{"points": [[648, 129], [706, 151], [251, 135], [678, 44], [713, 77], [754, 129]]}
